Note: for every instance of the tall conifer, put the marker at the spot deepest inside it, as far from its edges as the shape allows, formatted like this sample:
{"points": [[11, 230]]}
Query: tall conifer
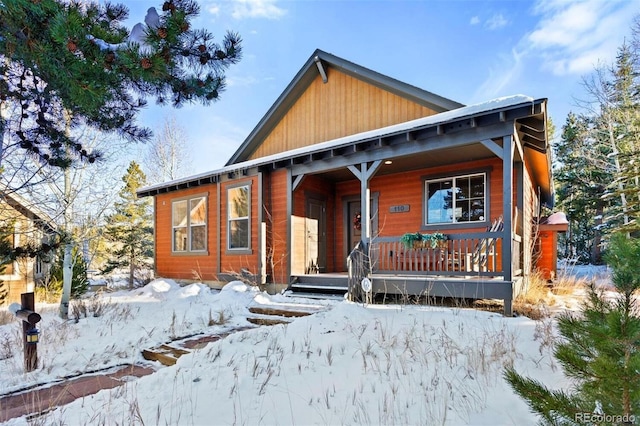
{"points": [[129, 229]]}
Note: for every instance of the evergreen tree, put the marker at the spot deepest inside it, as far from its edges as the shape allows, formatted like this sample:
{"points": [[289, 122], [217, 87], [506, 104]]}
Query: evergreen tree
{"points": [[79, 280], [582, 176], [600, 351], [74, 62], [129, 229], [624, 135]]}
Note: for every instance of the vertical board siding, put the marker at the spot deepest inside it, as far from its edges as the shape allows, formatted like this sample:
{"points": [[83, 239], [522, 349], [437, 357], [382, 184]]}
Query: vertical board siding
{"points": [[343, 106]]}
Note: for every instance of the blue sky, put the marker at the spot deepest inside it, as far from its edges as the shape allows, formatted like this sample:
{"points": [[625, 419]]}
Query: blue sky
{"points": [[468, 51]]}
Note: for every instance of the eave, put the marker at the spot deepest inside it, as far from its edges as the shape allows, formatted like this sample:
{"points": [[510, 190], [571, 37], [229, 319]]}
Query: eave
{"points": [[448, 130]]}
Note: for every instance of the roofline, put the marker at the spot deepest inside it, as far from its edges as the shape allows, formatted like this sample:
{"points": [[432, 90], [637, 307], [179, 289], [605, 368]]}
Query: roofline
{"points": [[308, 73], [399, 131], [6, 192]]}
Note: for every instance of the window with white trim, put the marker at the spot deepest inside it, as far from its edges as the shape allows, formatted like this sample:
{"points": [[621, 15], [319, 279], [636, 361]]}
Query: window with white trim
{"points": [[459, 199], [189, 222], [238, 209]]}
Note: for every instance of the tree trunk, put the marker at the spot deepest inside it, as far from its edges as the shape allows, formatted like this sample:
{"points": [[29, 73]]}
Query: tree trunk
{"points": [[67, 275]]}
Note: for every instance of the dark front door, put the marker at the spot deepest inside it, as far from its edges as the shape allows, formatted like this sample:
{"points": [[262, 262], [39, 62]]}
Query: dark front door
{"points": [[317, 236], [354, 235]]}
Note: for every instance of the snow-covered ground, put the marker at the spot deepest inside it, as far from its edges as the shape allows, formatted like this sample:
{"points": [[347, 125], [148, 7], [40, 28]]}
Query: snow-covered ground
{"points": [[347, 364]]}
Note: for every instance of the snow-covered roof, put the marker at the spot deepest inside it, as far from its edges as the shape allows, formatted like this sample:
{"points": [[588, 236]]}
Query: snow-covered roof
{"points": [[436, 119]]}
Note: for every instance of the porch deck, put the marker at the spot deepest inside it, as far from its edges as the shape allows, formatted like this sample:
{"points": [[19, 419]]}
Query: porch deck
{"points": [[460, 287]]}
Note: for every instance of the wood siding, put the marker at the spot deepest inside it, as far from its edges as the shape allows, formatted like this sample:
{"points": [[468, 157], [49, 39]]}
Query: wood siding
{"points": [[19, 273], [341, 107], [277, 218], [184, 265], [408, 188], [204, 266]]}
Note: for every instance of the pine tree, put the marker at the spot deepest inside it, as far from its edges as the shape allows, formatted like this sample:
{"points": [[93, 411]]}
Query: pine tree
{"points": [[582, 177], [79, 280], [74, 61], [600, 351], [129, 229]]}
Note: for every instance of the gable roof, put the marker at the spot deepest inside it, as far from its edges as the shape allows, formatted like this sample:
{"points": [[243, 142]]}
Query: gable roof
{"points": [[318, 63]]}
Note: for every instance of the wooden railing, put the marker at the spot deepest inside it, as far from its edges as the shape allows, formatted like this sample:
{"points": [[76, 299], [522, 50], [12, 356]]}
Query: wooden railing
{"points": [[476, 253]]}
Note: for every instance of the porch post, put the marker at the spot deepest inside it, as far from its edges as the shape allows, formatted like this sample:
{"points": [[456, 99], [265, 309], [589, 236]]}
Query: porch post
{"points": [[364, 173], [507, 212]]}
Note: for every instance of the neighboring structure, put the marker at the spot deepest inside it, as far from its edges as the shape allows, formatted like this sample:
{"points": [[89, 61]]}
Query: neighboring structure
{"points": [[343, 144], [29, 225]]}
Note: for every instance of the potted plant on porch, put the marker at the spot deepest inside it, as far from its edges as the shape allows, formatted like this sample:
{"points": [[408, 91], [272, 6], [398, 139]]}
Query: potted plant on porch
{"points": [[418, 240]]}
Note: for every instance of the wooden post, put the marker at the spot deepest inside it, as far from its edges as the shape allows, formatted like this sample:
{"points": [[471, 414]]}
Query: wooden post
{"points": [[29, 321]]}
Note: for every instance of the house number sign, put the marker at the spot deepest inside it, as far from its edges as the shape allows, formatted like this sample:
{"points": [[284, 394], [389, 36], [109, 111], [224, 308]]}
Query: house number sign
{"points": [[402, 208]]}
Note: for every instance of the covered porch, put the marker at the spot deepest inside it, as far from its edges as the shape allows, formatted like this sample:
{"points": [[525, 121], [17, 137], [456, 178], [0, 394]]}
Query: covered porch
{"points": [[387, 176]]}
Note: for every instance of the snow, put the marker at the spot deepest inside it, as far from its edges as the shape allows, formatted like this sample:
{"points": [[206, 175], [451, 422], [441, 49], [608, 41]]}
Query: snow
{"points": [[347, 363]]}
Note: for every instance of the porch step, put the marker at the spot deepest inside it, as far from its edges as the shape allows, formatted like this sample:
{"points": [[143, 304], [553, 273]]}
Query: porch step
{"points": [[290, 293], [318, 286]]}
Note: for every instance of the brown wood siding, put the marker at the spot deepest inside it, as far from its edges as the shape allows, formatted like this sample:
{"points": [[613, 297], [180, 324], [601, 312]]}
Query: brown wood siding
{"points": [[178, 265], [277, 219], [341, 107], [408, 188], [546, 263]]}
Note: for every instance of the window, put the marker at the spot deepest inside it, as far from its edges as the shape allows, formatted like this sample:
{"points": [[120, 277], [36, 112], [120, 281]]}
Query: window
{"points": [[238, 217], [460, 199], [189, 219]]}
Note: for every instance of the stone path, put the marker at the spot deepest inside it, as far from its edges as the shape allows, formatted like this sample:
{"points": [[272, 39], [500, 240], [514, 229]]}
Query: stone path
{"points": [[41, 399]]}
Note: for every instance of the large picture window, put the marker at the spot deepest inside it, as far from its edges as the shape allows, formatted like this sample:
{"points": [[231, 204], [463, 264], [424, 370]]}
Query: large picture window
{"points": [[189, 220], [460, 199], [239, 201]]}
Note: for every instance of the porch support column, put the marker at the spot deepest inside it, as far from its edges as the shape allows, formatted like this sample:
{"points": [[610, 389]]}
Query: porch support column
{"points": [[290, 190], [364, 174], [507, 212]]}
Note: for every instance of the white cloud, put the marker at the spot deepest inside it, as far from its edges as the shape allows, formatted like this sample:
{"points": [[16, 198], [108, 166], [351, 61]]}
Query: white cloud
{"points": [[474, 20], [572, 37], [496, 21], [508, 69], [257, 9]]}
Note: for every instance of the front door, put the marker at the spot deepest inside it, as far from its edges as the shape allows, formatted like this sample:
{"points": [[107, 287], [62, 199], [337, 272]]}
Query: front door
{"points": [[316, 256], [354, 235]]}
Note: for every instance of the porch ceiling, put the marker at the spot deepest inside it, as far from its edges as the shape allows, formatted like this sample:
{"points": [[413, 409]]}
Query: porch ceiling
{"points": [[399, 164]]}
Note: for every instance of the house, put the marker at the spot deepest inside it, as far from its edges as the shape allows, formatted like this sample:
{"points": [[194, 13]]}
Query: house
{"points": [[26, 225], [345, 155]]}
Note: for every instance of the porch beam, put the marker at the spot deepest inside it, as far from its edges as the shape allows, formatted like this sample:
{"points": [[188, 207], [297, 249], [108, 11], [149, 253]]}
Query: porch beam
{"points": [[451, 140], [297, 180], [518, 146], [493, 147]]}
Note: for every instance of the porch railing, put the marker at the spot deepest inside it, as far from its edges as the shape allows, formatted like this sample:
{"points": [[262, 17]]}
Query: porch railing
{"points": [[477, 253]]}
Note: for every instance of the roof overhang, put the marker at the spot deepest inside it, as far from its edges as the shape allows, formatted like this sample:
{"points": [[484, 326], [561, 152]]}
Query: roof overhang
{"points": [[461, 128]]}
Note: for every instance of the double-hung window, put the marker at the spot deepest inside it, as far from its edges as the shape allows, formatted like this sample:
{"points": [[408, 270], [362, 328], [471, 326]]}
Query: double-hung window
{"points": [[459, 199], [189, 219], [238, 209]]}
